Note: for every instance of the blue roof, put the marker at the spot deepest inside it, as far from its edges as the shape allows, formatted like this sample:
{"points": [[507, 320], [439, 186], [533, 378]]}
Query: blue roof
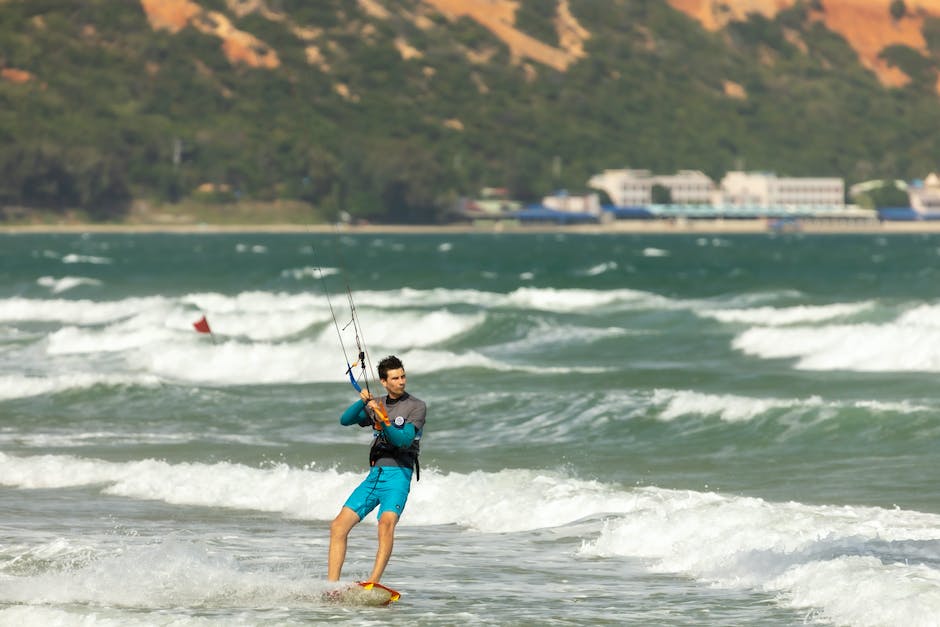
{"points": [[905, 214], [538, 213], [628, 213]]}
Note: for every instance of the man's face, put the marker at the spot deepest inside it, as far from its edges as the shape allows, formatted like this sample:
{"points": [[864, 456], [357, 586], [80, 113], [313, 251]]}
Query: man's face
{"points": [[395, 382]]}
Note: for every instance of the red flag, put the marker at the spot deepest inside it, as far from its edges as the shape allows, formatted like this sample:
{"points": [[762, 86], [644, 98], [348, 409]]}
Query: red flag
{"points": [[202, 325]]}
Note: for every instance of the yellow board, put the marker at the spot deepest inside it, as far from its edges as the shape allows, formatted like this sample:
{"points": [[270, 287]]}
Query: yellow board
{"points": [[363, 593]]}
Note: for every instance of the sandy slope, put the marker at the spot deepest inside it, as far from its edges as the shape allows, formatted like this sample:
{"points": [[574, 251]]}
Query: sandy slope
{"points": [[866, 25]]}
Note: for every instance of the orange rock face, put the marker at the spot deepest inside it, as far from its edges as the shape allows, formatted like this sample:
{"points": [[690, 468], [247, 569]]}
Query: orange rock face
{"points": [[15, 76], [172, 15], [866, 25], [238, 46], [499, 17]]}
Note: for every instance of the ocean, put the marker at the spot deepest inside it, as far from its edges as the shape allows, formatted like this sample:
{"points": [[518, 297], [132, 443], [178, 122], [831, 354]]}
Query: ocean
{"points": [[623, 429]]}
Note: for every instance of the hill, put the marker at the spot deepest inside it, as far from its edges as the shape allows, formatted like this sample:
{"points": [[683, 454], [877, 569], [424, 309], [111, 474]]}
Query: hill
{"points": [[391, 109]]}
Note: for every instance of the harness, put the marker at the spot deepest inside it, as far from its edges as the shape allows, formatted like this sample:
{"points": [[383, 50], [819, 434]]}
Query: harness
{"points": [[405, 457]]}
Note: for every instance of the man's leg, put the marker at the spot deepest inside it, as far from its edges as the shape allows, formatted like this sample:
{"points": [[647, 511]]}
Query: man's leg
{"points": [[339, 531], [387, 523]]}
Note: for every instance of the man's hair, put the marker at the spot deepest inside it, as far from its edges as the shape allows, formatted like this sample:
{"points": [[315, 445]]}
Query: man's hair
{"points": [[389, 363]]}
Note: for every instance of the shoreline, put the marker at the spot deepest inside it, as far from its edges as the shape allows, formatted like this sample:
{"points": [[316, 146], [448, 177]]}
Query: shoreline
{"points": [[651, 227]]}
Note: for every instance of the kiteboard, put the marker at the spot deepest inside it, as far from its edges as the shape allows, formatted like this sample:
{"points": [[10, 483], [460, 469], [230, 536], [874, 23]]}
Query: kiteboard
{"points": [[363, 593]]}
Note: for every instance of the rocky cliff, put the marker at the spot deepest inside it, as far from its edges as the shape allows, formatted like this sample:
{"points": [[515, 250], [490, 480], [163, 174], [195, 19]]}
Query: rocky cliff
{"points": [[869, 26]]}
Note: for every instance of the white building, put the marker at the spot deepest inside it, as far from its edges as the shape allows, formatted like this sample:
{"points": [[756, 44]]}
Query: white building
{"points": [[763, 189], [741, 194], [925, 197], [633, 188], [626, 188], [687, 187], [573, 203]]}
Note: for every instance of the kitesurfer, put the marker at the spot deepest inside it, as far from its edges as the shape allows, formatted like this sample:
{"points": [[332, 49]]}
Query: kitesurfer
{"points": [[397, 422]]}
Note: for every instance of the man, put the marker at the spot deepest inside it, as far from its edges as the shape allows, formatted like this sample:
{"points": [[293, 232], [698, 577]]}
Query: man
{"points": [[396, 429]]}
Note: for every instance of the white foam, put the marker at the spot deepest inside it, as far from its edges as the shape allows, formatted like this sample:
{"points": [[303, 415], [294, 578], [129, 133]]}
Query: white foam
{"points": [[510, 500], [74, 340], [257, 249], [601, 268], [817, 340], [728, 407], [813, 557], [64, 284], [781, 316], [421, 329], [73, 439], [735, 408], [541, 333], [921, 316], [437, 361], [234, 362], [309, 272], [540, 299], [268, 309], [266, 337], [258, 337], [73, 258], [864, 591], [715, 241], [490, 502], [18, 386], [230, 362], [851, 565], [39, 616], [275, 489], [75, 311], [890, 347], [566, 300], [902, 407], [172, 572], [318, 359]]}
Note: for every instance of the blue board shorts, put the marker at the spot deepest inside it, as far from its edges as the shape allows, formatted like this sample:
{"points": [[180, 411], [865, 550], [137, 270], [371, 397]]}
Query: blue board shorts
{"points": [[386, 486]]}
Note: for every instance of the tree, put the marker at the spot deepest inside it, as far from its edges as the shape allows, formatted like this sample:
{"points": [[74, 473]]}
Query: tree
{"points": [[898, 9]]}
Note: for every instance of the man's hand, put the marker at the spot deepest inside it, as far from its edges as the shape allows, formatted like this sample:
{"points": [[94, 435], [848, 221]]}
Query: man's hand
{"points": [[378, 410]]}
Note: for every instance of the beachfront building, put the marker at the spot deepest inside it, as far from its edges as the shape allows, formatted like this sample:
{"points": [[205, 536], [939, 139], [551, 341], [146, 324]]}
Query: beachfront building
{"points": [[925, 196], [626, 188], [562, 200], [765, 189], [688, 187], [740, 195], [634, 188], [492, 202]]}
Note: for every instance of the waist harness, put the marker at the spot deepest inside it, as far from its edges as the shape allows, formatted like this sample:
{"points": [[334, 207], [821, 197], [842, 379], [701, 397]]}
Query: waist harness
{"points": [[405, 457]]}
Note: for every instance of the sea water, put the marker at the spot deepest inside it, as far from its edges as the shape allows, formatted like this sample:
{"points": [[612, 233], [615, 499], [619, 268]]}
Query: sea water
{"points": [[622, 429]]}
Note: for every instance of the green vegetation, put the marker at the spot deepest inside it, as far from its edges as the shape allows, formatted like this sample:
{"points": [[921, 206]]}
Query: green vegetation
{"points": [[117, 111], [898, 9], [880, 196]]}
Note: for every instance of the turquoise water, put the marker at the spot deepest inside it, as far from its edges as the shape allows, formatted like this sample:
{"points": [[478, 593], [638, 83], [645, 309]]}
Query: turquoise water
{"points": [[623, 429]]}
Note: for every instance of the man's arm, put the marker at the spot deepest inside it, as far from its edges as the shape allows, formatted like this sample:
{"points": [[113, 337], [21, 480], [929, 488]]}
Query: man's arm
{"points": [[401, 437], [356, 414]]}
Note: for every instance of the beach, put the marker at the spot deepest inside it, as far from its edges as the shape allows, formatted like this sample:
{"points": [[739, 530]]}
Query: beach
{"points": [[659, 227]]}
